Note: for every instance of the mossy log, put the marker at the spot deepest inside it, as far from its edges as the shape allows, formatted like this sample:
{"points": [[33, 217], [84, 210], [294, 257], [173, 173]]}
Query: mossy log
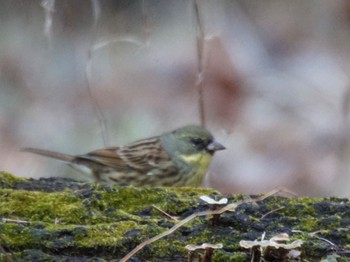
{"points": [[57, 219]]}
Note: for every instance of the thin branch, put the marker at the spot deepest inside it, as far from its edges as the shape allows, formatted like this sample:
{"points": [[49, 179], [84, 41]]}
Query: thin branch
{"points": [[146, 22], [200, 60], [49, 9], [272, 211], [98, 111], [165, 213], [16, 221]]}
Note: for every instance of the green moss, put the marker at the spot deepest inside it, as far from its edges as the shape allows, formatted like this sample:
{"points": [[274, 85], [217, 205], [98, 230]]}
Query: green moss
{"points": [[220, 255], [30, 255], [63, 236], [130, 199], [308, 224], [294, 207], [42, 206], [7, 180], [15, 235], [166, 249], [201, 234], [106, 234]]}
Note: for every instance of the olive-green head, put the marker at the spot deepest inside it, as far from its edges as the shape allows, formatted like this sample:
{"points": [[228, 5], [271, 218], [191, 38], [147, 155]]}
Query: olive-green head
{"points": [[190, 140]]}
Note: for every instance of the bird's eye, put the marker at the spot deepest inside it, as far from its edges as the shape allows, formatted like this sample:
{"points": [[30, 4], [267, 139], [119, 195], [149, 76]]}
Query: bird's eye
{"points": [[197, 142]]}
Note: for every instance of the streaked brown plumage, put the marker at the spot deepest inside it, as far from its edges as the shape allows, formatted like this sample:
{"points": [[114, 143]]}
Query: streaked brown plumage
{"points": [[177, 158]]}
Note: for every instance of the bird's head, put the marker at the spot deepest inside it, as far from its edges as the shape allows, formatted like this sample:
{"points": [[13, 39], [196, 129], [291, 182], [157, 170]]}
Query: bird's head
{"points": [[191, 140]]}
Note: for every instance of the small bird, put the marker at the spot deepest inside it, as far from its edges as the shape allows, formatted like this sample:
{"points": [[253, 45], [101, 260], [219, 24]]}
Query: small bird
{"points": [[177, 158]]}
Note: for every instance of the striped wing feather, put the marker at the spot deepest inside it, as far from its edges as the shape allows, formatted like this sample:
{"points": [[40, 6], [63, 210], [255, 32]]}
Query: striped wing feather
{"points": [[143, 155]]}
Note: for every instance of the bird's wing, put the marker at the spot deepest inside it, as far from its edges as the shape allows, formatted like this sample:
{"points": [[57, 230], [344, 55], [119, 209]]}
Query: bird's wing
{"points": [[143, 155]]}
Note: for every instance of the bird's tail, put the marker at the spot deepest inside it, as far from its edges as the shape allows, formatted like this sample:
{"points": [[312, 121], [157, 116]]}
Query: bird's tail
{"points": [[51, 154]]}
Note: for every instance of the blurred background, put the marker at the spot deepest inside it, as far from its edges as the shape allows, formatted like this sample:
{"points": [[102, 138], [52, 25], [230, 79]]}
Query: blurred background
{"points": [[268, 78]]}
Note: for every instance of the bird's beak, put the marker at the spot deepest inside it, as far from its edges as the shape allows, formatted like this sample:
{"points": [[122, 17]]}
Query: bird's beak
{"points": [[215, 146]]}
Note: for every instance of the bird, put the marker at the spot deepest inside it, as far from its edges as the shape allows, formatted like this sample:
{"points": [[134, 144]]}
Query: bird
{"points": [[179, 158]]}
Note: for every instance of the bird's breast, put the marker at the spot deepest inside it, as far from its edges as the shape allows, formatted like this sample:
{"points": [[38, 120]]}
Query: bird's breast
{"points": [[198, 159], [200, 163]]}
